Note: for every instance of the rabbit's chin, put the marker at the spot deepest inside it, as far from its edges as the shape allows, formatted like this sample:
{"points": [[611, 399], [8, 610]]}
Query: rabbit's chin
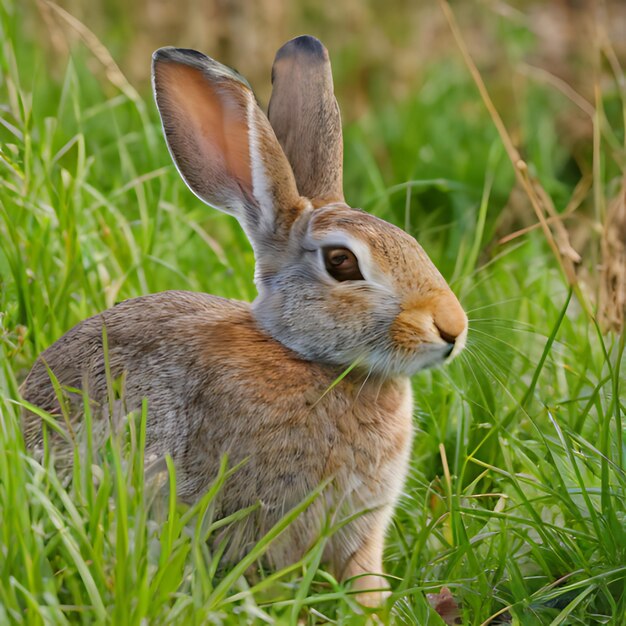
{"points": [[402, 363]]}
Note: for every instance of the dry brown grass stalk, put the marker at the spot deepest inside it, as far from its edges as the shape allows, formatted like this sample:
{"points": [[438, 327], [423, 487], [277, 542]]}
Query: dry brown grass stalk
{"points": [[612, 305], [578, 196], [112, 71]]}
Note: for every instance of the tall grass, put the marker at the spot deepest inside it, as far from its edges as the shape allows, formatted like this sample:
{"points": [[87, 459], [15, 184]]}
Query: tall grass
{"points": [[516, 499]]}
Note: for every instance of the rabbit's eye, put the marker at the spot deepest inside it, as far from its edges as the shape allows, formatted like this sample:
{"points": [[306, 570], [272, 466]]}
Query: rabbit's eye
{"points": [[341, 264]]}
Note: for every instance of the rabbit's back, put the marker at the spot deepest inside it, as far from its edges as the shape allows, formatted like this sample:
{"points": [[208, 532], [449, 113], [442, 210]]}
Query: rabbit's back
{"points": [[146, 347]]}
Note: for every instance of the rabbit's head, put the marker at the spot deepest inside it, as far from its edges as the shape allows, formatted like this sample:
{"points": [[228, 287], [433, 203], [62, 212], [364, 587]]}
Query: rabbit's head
{"points": [[335, 284]]}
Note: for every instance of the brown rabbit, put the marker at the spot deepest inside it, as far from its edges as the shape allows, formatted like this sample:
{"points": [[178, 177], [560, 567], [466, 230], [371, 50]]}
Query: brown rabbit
{"points": [[336, 287]]}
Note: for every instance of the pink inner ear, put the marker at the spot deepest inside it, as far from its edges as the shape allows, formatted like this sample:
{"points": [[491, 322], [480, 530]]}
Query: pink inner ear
{"points": [[208, 126]]}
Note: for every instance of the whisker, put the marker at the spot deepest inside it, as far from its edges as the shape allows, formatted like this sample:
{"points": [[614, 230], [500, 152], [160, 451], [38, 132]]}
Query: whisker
{"points": [[499, 340], [503, 321], [495, 377], [466, 368], [495, 304], [501, 327], [369, 373], [490, 356]]}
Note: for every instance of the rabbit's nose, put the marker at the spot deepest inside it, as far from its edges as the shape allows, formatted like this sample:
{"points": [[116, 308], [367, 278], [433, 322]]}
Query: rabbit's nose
{"points": [[450, 319]]}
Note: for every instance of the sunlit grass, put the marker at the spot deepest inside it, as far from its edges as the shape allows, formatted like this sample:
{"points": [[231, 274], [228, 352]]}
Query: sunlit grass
{"points": [[516, 499]]}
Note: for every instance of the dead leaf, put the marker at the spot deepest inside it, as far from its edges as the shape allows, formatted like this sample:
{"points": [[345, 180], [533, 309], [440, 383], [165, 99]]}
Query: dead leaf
{"points": [[446, 606]]}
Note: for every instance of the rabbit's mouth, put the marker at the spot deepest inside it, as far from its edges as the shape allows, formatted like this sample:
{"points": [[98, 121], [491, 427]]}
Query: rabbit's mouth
{"points": [[431, 355], [458, 346], [402, 362]]}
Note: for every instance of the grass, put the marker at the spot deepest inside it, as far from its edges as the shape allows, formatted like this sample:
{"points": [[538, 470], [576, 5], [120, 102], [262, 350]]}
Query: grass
{"points": [[516, 499]]}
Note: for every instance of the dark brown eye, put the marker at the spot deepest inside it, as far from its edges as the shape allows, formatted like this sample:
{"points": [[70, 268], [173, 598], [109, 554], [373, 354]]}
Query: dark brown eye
{"points": [[341, 264]]}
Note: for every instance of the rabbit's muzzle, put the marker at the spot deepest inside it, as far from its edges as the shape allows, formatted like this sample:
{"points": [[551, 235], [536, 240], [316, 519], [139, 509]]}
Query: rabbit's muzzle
{"points": [[436, 324]]}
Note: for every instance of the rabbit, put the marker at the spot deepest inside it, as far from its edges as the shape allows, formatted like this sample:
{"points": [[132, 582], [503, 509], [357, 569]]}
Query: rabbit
{"points": [[338, 289]]}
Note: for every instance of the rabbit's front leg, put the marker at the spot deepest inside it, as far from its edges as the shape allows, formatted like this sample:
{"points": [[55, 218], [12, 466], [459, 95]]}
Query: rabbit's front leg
{"points": [[366, 564]]}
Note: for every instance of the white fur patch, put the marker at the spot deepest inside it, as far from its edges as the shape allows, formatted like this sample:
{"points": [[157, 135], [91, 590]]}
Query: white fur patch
{"points": [[261, 188], [459, 344]]}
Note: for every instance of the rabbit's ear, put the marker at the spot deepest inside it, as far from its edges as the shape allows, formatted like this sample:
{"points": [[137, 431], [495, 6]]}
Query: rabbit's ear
{"points": [[222, 143], [305, 116]]}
